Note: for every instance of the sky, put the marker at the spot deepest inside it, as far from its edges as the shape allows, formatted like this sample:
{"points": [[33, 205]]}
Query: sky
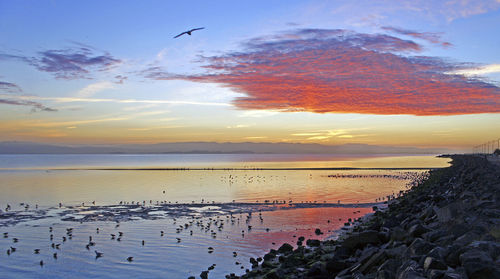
{"points": [[397, 73]]}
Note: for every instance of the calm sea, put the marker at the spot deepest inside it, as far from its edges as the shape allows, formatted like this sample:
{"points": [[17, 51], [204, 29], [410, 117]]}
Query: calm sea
{"points": [[186, 197]]}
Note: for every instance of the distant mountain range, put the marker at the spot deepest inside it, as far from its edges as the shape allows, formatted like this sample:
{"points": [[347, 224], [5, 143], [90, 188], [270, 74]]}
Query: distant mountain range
{"points": [[14, 147]]}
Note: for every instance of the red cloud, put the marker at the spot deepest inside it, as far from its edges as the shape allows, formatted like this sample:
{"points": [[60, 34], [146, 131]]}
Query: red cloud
{"points": [[344, 72], [431, 37]]}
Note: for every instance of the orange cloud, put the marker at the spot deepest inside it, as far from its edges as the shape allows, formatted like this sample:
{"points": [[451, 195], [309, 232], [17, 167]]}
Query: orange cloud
{"points": [[339, 71]]}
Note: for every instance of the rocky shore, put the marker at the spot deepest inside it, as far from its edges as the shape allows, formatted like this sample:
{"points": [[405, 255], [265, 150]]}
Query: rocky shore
{"points": [[447, 226]]}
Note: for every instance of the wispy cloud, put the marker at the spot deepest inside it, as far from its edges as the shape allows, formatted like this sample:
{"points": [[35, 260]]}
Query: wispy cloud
{"points": [[35, 106], [454, 9], [238, 126], [140, 107], [154, 128], [120, 79], [10, 87], [341, 71], [258, 113], [255, 137], [478, 71], [92, 89], [74, 124], [431, 37], [120, 101], [323, 134], [70, 63]]}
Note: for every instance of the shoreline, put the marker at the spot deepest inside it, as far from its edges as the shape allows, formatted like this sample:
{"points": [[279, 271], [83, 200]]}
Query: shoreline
{"points": [[447, 226], [217, 169]]}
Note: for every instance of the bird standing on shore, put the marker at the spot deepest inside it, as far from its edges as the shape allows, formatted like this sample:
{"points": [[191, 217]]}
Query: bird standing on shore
{"points": [[189, 32]]}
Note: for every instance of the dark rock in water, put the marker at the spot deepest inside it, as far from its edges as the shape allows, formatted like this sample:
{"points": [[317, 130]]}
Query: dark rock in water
{"points": [[269, 256], [204, 275], [313, 242], [285, 248], [301, 238], [318, 232], [254, 262]]}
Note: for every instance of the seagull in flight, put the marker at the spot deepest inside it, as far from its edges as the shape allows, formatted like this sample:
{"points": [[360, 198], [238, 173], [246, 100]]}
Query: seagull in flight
{"points": [[189, 32]]}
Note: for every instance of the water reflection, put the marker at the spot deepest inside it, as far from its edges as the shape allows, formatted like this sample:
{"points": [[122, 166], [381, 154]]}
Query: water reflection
{"points": [[177, 252]]}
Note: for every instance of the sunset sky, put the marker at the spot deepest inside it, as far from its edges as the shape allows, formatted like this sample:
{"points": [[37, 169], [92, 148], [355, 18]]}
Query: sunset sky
{"points": [[399, 73]]}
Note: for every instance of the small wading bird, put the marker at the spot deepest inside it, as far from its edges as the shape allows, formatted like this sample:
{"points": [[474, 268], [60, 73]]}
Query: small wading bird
{"points": [[189, 32]]}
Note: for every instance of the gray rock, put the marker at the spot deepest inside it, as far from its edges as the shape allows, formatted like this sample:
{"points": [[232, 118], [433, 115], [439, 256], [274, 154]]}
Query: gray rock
{"points": [[433, 263], [491, 247], [396, 252], [361, 239], [437, 253], [398, 234], [417, 230], [452, 275], [377, 259], [409, 270], [420, 247], [479, 264], [449, 212], [367, 253], [434, 235], [467, 238]]}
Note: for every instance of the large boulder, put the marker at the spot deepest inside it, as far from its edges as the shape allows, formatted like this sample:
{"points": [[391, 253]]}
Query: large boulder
{"points": [[361, 239], [285, 248], [420, 247], [433, 263], [479, 264]]}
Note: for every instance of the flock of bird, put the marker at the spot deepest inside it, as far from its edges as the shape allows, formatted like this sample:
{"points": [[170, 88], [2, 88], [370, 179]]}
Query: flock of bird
{"points": [[56, 246], [211, 225], [208, 225]]}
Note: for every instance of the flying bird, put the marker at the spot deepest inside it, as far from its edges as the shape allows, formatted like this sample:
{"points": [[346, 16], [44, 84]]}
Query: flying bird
{"points": [[189, 32]]}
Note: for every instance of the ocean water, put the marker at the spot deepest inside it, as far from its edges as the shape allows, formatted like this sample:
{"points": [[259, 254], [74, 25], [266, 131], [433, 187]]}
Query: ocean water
{"points": [[198, 201]]}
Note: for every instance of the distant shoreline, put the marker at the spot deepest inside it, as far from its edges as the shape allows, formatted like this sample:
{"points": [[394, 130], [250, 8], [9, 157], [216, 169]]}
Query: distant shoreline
{"points": [[236, 169]]}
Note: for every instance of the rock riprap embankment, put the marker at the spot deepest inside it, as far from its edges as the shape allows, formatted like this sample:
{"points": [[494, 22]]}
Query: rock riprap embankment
{"points": [[447, 226]]}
